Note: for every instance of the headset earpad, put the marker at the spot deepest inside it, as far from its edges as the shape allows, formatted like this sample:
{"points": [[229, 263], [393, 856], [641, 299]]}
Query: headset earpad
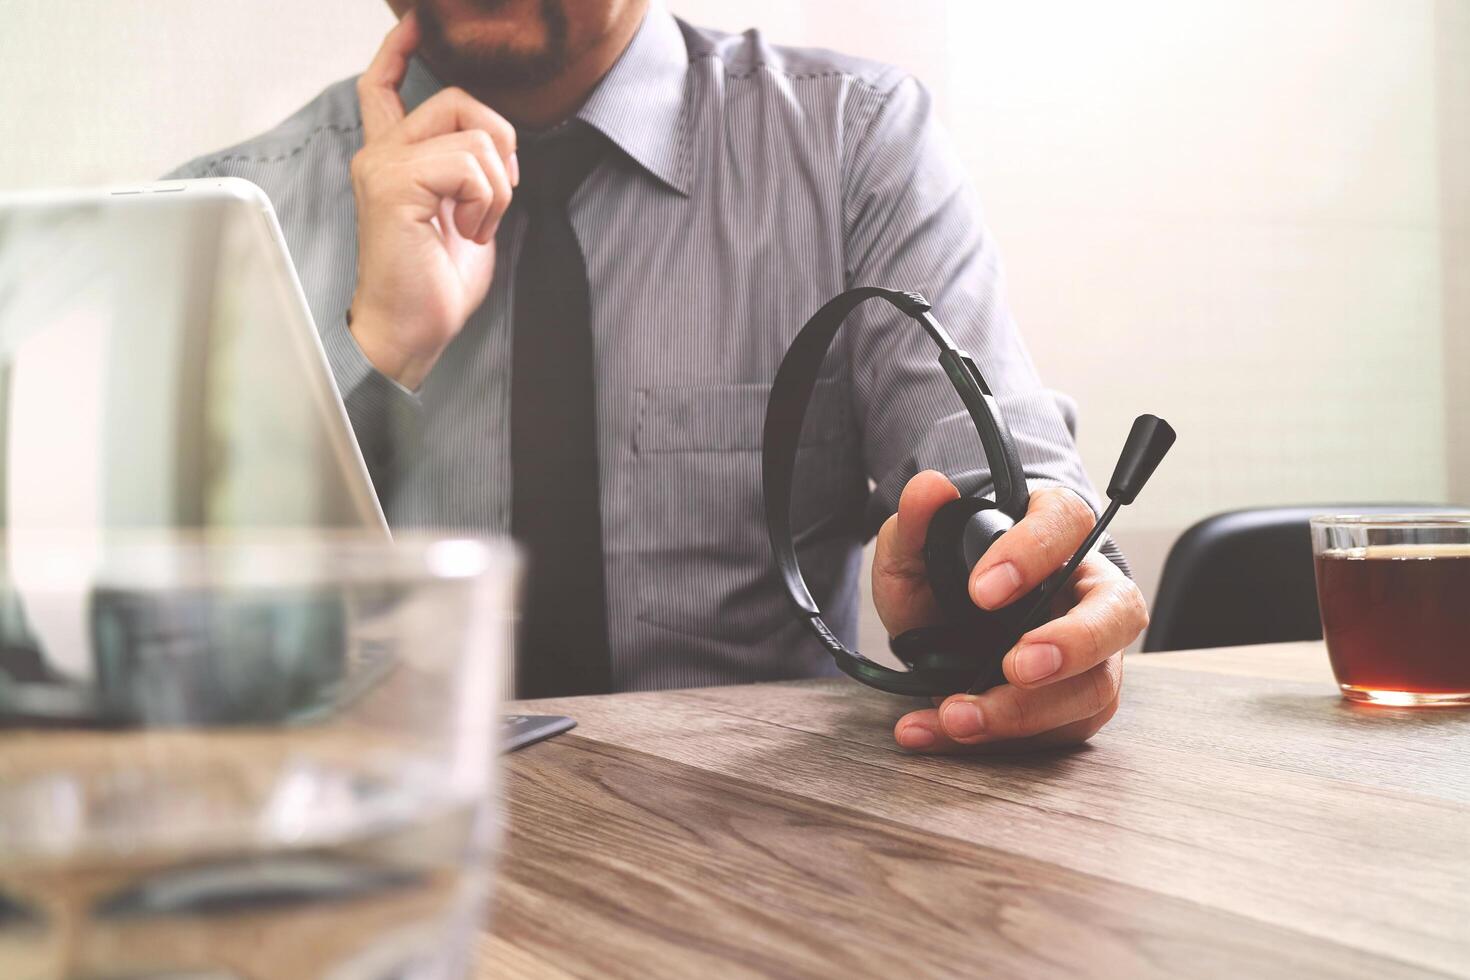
{"points": [[959, 534]]}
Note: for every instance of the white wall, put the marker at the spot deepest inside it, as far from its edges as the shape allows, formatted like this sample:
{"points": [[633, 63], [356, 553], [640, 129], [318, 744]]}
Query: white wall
{"points": [[1249, 216], [1452, 73], [118, 90]]}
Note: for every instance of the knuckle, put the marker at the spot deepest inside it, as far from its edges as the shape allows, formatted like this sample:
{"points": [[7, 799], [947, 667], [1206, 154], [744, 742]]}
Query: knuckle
{"points": [[364, 168], [507, 133], [1096, 722], [1107, 682], [1012, 716], [1126, 611], [1057, 519], [1137, 608], [1072, 510], [1038, 540], [1092, 636], [482, 142]]}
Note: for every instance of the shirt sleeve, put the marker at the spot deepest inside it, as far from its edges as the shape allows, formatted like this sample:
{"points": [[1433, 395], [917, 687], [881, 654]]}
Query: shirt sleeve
{"points": [[912, 221], [387, 418]]}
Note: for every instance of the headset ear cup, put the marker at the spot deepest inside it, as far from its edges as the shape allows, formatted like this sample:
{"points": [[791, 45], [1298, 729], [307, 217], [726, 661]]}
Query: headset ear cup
{"points": [[958, 535]]}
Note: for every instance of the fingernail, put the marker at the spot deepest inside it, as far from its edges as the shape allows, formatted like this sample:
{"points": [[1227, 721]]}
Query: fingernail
{"points": [[1035, 662], [962, 719], [515, 171], [996, 585], [915, 737]]}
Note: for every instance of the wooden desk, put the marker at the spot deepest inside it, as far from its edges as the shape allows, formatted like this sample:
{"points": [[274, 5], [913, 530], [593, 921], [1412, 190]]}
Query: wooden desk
{"points": [[1236, 818]]}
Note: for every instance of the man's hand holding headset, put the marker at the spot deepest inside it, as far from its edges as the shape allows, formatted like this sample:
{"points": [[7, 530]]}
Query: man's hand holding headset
{"points": [[1063, 677]]}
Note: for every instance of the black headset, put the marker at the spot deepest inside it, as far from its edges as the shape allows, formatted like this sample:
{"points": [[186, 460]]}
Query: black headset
{"points": [[963, 652]]}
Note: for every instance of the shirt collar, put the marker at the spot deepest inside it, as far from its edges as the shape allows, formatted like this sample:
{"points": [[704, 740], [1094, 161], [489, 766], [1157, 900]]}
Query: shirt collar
{"points": [[640, 103]]}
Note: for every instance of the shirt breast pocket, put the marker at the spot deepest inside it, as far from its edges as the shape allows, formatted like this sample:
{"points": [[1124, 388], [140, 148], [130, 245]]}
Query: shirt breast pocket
{"points": [[704, 558]]}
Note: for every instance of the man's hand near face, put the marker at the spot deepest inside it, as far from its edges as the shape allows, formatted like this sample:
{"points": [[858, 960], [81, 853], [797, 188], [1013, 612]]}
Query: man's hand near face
{"points": [[1064, 676], [431, 187]]}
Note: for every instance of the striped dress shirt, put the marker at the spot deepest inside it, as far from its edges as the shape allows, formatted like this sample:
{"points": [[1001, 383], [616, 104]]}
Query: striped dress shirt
{"points": [[753, 183]]}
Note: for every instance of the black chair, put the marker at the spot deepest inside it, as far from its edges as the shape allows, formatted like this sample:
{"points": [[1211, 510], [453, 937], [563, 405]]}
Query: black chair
{"points": [[1246, 577]]}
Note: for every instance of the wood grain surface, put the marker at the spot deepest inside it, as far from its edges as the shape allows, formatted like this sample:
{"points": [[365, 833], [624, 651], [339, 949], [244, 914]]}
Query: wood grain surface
{"points": [[1237, 818]]}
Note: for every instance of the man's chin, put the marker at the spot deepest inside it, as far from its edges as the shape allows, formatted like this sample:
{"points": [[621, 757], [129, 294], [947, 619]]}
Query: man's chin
{"points": [[504, 44]]}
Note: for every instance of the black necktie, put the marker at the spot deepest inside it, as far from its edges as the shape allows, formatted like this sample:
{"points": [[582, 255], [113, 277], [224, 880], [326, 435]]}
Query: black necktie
{"points": [[563, 647]]}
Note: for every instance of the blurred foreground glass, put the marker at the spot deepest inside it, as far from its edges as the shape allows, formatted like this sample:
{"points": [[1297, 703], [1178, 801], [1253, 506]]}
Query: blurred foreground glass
{"points": [[263, 756], [1394, 591]]}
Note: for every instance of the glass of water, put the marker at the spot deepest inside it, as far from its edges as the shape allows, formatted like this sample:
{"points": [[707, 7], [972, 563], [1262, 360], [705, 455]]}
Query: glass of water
{"points": [[253, 756]]}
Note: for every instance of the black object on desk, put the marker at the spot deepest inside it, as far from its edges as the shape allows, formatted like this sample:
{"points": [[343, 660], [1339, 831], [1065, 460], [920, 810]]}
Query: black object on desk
{"points": [[519, 731]]}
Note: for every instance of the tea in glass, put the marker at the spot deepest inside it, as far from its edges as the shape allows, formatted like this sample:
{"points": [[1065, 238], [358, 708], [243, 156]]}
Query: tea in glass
{"points": [[1394, 593]]}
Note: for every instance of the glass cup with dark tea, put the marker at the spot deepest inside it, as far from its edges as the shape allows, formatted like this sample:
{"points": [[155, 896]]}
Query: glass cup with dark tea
{"points": [[1394, 590]]}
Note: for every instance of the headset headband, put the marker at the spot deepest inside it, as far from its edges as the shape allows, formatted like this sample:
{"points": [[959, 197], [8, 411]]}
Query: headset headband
{"points": [[786, 411]]}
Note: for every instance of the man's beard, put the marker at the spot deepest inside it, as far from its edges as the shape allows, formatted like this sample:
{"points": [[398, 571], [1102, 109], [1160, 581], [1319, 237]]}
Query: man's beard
{"points": [[495, 65]]}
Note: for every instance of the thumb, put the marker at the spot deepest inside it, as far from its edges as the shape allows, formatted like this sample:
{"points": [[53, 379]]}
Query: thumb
{"points": [[900, 582], [921, 498]]}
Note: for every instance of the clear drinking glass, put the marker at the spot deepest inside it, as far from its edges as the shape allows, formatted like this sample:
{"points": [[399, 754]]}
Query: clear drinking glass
{"points": [[1394, 590], [259, 756]]}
